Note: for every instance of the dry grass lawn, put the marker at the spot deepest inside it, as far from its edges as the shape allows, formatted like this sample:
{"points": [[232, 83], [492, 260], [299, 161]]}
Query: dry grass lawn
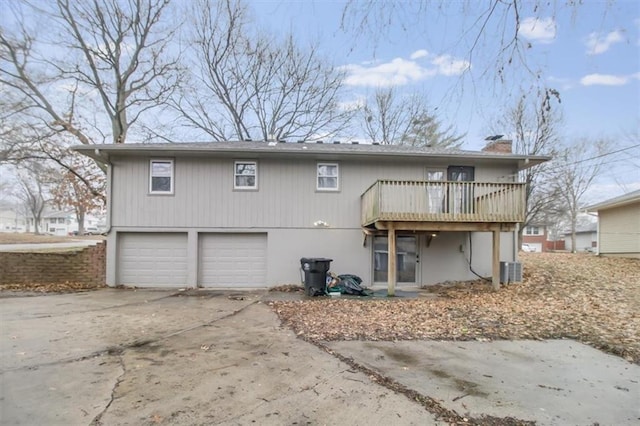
{"points": [[30, 238], [578, 296]]}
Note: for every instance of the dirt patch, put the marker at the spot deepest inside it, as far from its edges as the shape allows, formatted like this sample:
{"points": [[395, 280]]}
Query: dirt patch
{"points": [[588, 298]]}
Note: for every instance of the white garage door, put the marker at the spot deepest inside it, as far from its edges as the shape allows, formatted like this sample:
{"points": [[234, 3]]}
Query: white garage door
{"points": [[152, 259], [536, 247], [233, 260]]}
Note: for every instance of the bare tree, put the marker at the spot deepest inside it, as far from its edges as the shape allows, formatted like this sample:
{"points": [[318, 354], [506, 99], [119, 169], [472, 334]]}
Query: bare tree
{"points": [[491, 32], [72, 192], [24, 144], [31, 191], [115, 51], [250, 85], [387, 118], [390, 119], [426, 130], [573, 173], [533, 124]]}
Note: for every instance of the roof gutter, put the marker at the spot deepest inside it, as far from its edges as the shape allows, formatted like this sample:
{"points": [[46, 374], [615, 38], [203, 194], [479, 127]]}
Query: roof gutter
{"points": [[103, 154]]}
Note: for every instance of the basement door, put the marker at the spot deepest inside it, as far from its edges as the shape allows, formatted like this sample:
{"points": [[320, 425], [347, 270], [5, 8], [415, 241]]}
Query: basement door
{"points": [[407, 259]]}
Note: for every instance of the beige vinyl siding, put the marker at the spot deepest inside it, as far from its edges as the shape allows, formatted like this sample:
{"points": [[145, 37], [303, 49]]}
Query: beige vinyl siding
{"points": [[620, 230], [204, 196]]}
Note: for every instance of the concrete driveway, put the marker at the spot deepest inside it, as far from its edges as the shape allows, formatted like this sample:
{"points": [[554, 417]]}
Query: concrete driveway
{"points": [[161, 357], [153, 357]]}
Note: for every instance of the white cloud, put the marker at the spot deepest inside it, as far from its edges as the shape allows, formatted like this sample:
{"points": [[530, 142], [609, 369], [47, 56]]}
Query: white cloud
{"points": [[447, 65], [540, 30], [597, 43], [352, 105], [605, 80], [400, 71], [564, 83], [419, 54], [395, 73]]}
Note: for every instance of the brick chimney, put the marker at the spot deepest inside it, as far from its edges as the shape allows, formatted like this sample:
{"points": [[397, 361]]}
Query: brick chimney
{"points": [[502, 146]]}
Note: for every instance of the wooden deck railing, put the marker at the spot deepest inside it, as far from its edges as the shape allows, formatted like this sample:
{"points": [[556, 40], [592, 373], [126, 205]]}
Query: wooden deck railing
{"points": [[443, 201]]}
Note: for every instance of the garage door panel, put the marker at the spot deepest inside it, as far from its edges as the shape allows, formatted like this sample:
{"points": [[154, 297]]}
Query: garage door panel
{"points": [[536, 247], [152, 259], [233, 260]]}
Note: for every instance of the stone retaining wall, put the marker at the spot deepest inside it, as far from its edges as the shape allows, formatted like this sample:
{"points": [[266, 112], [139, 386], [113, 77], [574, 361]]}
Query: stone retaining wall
{"points": [[86, 265]]}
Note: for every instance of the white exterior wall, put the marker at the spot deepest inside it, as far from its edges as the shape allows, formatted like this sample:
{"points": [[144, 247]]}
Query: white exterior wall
{"points": [[12, 221], [584, 240], [620, 231]]}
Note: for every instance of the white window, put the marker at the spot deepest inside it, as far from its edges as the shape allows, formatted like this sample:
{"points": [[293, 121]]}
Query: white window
{"points": [[532, 230], [436, 174], [245, 175], [435, 191], [161, 177], [327, 177]]}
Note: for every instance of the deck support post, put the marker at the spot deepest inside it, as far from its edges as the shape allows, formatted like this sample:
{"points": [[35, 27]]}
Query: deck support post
{"points": [[495, 276], [391, 259]]}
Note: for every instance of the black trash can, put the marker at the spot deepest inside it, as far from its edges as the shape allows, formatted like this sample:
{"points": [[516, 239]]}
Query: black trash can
{"points": [[315, 274]]}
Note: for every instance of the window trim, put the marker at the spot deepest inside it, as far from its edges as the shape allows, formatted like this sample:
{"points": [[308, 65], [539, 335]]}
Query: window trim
{"points": [[429, 170], [532, 228], [337, 176], [235, 175], [172, 176]]}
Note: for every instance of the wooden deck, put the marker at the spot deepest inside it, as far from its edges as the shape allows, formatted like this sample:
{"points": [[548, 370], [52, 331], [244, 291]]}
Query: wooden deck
{"points": [[461, 205], [388, 206]]}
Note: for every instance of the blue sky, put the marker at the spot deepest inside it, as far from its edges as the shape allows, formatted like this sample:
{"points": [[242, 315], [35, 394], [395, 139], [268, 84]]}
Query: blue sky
{"points": [[590, 54]]}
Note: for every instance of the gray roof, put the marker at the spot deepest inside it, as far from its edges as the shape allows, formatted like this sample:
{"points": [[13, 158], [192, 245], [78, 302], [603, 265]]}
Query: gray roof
{"points": [[57, 213], [622, 200], [292, 149], [585, 229]]}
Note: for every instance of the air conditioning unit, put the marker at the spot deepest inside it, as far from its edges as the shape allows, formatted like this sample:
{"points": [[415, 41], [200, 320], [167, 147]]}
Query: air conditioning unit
{"points": [[510, 272]]}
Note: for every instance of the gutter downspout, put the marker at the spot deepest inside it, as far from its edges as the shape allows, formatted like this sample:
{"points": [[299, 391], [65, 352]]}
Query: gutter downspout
{"points": [[516, 249], [109, 193], [110, 273], [109, 189]]}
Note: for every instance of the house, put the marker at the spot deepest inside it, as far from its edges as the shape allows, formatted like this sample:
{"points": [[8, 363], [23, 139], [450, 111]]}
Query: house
{"points": [[619, 225], [535, 236], [242, 214], [586, 238], [11, 218], [58, 222]]}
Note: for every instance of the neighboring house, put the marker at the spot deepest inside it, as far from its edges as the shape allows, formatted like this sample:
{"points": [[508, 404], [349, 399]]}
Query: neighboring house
{"points": [[58, 222], [586, 238], [11, 217], [619, 225], [535, 235], [242, 214], [11, 220], [62, 222]]}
